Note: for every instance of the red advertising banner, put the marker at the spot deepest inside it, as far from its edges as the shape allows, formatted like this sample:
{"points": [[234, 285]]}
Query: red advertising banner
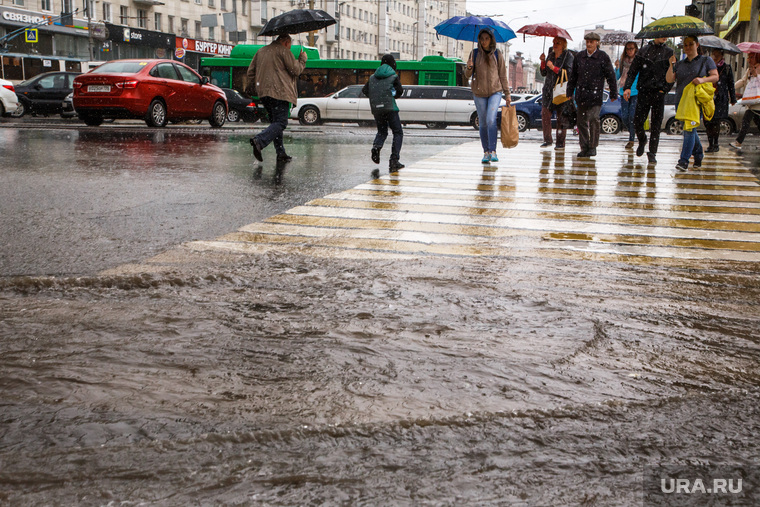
{"points": [[203, 46]]}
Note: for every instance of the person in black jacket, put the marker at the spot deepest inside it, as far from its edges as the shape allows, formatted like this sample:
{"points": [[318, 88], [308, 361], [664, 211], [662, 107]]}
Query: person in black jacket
{"points": [[591, 68], [724, 94], [382, 88], [650, 65]]}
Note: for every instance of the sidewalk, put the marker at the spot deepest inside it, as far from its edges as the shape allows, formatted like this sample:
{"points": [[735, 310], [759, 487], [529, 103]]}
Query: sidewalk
{"points": [[533, 203]]}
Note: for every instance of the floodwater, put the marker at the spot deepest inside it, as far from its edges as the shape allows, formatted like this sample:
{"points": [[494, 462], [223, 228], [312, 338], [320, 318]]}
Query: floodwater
{"points": [[288, 379]]}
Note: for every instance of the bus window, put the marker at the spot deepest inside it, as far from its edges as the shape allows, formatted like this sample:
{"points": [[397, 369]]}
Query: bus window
{"points": [[220, 78], [408, 77], [338, 79], [363, 75], [311, 83], [239, 78]]}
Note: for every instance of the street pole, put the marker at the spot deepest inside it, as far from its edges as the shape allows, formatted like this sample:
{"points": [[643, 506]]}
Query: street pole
{"points": [[311, 34], [90, 42], [753, 15]]}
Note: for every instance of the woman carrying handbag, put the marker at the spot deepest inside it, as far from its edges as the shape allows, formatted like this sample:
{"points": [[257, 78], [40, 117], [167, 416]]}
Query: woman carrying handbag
{"points": [[559, 59]]}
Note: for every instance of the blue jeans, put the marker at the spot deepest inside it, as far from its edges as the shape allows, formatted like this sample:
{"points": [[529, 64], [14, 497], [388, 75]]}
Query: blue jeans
{"points": [[278, 111], [487, 108], [392, 120], [627, 112], [691, 146]]}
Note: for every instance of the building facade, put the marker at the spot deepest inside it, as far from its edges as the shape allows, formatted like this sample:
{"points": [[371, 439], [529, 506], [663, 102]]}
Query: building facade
{"points": [[187, 29]]}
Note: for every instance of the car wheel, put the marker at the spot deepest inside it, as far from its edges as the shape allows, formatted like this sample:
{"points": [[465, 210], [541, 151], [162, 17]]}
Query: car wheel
{"points": [[156, 116], [674, 127], [218, 115], [233, 116], [475, 121], [91, 119], [435, 125], [726, 127], [309, 115], [610, 124], [20, 111], [522, 122]]}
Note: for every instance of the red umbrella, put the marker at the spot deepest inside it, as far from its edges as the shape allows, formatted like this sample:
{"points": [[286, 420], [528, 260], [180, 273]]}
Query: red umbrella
{"points": [[748, 47], [544, 30]]}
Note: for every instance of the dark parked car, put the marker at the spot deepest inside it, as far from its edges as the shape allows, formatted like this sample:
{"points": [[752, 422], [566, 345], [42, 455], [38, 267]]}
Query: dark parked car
{"points": [[44, 94], [529, 114], [154, 90], [241, 107]]}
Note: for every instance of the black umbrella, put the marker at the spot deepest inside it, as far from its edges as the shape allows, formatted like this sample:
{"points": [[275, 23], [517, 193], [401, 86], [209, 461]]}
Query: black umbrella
{"points": [[712, 42], [297, 21]]}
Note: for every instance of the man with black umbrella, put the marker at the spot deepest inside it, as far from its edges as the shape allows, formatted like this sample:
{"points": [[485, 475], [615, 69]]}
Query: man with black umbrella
{"points": [[272, 77], [650, 65]]}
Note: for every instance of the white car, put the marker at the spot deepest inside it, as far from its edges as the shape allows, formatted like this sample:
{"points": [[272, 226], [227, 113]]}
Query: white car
{"points": [[8, 99], [432, 106], [728, 126]]}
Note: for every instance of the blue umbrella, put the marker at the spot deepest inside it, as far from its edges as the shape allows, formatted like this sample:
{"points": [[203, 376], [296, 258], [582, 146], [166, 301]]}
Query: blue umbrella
{"points": [[467, 28]]}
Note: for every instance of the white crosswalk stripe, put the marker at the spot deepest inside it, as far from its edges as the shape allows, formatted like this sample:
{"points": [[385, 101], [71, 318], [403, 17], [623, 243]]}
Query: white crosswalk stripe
{"points": [[532, 202]]}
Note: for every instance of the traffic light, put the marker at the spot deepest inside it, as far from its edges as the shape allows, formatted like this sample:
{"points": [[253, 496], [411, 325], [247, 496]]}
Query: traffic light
{"points": [[693, 10]]}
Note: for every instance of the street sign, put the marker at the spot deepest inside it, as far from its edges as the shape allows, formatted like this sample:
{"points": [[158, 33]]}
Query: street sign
{"points": [[31, 35]]}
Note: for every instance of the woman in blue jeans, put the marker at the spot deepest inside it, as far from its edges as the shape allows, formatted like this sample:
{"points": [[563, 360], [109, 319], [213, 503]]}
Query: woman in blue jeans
{"points": [[488, 72], [693, 69], [627, 107]]}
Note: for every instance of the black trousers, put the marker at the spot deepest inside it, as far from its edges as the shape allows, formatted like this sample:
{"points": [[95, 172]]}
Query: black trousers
{"points": [[749, 117], [654, 101]]}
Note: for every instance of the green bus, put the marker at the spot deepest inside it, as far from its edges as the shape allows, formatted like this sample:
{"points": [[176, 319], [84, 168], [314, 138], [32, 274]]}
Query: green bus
{"points": [[325, 77]]}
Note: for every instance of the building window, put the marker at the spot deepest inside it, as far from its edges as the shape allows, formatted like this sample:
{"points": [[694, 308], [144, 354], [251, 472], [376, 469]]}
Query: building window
{"points": [[183, 27], [211, 3], [18, 3], [142, 18], [157, 21], [211, 33], [223, 4], [46, 5], [198, 33], [88, 8], [170, 20], [244, 7], [124, 15]]}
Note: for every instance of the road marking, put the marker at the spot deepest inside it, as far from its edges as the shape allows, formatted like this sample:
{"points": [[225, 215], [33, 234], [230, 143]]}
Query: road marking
{"points": [[532, 203]]}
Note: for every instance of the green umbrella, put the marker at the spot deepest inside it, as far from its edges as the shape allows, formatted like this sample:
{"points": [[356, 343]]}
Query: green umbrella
{"points": [[674, 26]]}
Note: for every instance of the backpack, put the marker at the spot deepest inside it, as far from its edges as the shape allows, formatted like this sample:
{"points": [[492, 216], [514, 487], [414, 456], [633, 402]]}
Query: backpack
{"points": [[475, 58]]}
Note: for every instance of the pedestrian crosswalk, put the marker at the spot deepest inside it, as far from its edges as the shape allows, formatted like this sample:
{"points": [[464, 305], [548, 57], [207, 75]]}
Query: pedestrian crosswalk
{"points": [[532, 203]]}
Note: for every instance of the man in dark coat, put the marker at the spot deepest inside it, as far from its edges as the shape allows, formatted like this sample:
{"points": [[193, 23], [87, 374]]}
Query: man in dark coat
{"points": [[725, 93], [650, 65], [590, 70]]}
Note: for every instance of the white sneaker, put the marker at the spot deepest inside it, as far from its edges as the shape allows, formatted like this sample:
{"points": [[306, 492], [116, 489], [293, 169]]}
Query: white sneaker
{"points": [[736, 146]]}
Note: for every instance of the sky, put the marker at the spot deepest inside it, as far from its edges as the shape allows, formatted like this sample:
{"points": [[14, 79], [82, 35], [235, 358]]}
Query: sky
{"points": [[573, 15]]}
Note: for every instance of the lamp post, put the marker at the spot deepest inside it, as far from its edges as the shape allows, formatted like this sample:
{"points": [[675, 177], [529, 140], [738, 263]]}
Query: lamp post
{"points": [[519, 17], [633, 18]]}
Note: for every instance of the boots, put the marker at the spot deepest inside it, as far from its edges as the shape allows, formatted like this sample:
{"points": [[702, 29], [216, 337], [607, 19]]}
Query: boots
{"points": [[713, 140]]}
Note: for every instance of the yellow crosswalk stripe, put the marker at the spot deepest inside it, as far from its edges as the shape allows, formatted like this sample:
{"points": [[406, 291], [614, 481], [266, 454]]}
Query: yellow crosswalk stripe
{"points": [[532, 203]]}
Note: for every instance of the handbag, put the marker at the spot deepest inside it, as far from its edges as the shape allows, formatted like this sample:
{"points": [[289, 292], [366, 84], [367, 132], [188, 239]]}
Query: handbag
{"points": [[510, 133], [751, 94], [560, 89]]}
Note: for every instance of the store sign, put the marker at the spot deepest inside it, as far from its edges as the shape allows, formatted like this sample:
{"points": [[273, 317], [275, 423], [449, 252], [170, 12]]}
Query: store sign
{"points": [[136, 36], [27, 19], [202, 46]]}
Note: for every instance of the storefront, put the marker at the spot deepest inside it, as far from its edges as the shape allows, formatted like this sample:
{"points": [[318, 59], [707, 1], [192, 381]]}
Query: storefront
{"points": [[127, 42], [190, 51], [56, 48]]}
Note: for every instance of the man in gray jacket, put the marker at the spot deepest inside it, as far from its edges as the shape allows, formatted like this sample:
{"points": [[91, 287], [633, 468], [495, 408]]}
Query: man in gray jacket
{"points": [[382, 88], [272, 77]]}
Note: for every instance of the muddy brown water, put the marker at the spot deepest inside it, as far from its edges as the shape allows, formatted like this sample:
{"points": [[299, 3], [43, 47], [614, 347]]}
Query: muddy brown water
{"points": [[284, 379]]}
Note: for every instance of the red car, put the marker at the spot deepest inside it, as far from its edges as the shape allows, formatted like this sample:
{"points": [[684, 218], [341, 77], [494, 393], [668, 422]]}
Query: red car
{"points": [[154, 90]]}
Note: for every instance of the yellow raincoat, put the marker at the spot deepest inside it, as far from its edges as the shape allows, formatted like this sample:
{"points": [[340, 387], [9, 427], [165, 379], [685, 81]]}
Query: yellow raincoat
{"points": [[696, 99]]}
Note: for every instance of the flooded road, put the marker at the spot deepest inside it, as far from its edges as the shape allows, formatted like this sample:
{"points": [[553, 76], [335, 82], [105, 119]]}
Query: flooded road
{"points": [[318, 371]]}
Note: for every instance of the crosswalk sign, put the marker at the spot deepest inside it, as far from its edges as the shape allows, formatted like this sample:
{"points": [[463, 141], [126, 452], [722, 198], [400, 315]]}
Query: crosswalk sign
{"points": [[31, 35]]}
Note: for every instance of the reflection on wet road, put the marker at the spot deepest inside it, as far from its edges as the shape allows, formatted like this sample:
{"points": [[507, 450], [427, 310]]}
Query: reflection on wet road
{"points": [[530, 203]]}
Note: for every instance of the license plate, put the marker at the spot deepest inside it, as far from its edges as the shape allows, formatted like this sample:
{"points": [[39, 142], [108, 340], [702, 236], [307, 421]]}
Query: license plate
{"points": [[99, 88]]}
